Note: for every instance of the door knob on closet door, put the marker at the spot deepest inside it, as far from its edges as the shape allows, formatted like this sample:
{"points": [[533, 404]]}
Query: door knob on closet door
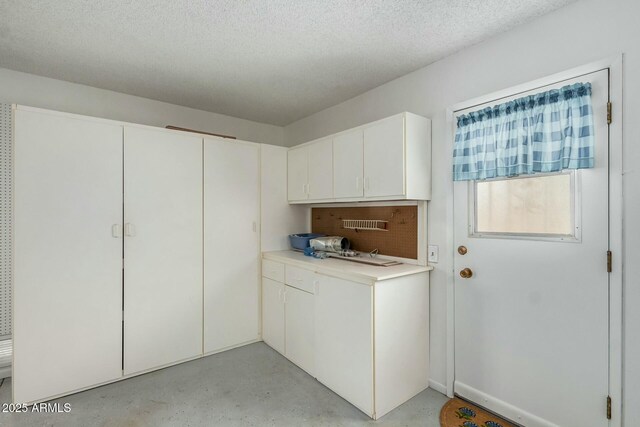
{"points": [[466, 273], [129, 230]]}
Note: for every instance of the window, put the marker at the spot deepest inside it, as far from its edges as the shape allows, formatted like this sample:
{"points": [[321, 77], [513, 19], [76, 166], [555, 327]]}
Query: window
{"points": [[539, 206]]}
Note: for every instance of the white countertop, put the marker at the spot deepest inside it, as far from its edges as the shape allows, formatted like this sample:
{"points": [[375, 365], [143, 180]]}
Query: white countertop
{"points": [[348, 270]]}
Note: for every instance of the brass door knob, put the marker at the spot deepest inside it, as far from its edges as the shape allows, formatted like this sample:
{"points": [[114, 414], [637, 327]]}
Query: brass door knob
{"points": [[466, 273]]}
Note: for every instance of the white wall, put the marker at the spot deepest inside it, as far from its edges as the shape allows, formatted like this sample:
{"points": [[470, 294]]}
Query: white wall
{"points": [[578, 34], [35, 91]]}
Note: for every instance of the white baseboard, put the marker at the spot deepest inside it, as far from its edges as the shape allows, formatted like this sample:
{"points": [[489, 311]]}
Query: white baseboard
{"points": [[440, 388], [501, 407]]}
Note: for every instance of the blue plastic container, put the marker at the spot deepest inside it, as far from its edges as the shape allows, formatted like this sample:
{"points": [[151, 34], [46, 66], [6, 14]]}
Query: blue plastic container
{"points": [[301, 241]]}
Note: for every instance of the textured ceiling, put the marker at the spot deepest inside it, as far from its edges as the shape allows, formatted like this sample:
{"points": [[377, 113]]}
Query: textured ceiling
{"points": [[272, 61]]}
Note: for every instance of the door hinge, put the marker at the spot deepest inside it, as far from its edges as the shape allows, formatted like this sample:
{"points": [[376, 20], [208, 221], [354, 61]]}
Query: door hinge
{"points": [[609, 262], [608, 407], [608, 113]]}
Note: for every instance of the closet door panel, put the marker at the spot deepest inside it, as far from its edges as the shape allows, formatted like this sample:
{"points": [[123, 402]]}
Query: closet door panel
{"points": [[232, 243], [67, 264], [163, 248]]}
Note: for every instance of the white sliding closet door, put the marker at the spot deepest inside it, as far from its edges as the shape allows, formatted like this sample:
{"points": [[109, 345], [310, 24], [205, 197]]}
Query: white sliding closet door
{"points": [[232, 243], [163, 248], [67, 305]]}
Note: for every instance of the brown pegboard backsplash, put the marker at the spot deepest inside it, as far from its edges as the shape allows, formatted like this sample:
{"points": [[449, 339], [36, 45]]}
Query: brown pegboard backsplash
{"points": [[401, 239]]}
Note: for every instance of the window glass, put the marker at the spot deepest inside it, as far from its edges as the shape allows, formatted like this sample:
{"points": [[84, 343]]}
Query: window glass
{"points": [[532, 205]]}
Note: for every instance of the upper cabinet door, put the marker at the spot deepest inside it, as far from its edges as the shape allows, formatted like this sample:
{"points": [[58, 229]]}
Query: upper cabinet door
{"points": [[232, 243], [67, 277], [384, 166], [320, 170], [163, 248], [348, 165], [297, 176]]}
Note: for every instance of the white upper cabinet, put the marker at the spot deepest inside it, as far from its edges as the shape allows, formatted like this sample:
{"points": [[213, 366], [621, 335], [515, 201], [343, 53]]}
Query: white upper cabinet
{"points": [[389, 159], [310, 172], [348, 170], [320, 160], [298, 172], [384, 158]]}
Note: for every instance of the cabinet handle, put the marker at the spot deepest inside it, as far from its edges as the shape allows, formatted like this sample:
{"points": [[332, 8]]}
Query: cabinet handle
{"points": [[284, 297], [308, 188], [116, 231], [280, 294], [366, 183], [129, 230]]}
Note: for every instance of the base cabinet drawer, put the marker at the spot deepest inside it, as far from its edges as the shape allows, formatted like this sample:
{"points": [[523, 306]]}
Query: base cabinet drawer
{"points": [[300, 278], [273, 270]]}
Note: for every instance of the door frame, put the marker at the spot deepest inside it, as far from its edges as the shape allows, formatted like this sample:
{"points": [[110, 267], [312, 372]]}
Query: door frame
{"points": [[615, 66]]}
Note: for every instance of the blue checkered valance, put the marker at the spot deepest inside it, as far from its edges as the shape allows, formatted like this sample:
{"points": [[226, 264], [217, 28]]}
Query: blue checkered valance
{"points": [[545, 132]]}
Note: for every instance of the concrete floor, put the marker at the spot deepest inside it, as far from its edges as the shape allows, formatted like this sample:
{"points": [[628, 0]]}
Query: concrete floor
{"points": [[248, 386]]}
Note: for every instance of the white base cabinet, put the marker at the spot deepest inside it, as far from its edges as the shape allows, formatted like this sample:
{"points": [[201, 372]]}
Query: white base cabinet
{"points": [[368, 341], [273, 332], [300, 328], [288, 324], [344, 340]]}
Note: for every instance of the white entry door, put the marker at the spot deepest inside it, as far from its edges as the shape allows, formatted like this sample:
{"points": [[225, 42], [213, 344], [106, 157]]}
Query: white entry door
{"points": [[531, 323]]}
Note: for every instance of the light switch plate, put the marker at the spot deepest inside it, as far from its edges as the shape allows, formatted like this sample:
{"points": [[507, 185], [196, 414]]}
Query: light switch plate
{"points": [[432, 251]]}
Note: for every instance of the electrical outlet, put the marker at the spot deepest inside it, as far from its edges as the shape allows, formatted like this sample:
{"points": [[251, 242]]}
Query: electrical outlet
{"points": [[432, 251]]}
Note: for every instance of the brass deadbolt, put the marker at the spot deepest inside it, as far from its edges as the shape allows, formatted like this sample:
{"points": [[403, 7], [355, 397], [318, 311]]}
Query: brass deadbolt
{"points": [[462, 250], [466, 273]]}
